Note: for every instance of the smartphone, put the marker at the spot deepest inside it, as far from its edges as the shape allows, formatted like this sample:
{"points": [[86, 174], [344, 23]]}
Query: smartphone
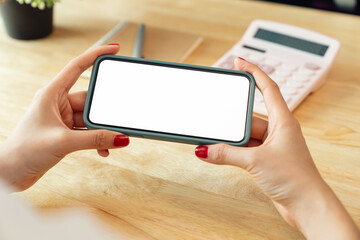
{"points": [[170, 101]]}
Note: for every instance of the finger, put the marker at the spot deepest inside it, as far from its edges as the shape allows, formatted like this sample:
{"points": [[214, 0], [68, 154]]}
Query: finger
{"points": [[275, 104], [77, 100], [103, 152], [78, 119], [223, 154], [258, 128], [93, 139], [72, 71]]}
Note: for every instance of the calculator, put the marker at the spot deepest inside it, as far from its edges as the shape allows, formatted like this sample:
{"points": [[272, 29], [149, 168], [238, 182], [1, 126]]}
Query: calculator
{"points": [[297, 59]]}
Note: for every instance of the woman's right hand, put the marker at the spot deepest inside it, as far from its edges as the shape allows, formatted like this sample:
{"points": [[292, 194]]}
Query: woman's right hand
{"points": [[280, 163], [53, 127]]}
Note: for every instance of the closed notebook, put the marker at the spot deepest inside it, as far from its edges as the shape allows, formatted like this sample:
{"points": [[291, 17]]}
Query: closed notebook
{"points": [[159, 44]]}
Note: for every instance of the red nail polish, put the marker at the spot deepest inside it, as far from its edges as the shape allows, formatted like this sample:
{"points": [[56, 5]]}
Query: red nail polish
{"points": [[241, 58], [121, 141], [201, 151], [113, 44]]}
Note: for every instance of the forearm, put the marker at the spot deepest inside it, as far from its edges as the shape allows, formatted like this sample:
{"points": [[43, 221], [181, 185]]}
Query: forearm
{"points": [[322, 216], [5, 163], [10, 170]]}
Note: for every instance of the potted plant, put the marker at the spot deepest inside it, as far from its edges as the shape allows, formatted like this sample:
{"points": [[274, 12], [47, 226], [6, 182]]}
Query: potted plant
{"points": [[28, 19]]}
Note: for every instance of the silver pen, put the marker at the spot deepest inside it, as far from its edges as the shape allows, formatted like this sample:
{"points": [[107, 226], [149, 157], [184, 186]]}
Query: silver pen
{"points": [[139, 42], [120, 26]]}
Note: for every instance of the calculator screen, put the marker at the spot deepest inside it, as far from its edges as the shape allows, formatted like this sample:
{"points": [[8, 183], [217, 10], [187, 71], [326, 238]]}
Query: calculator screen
{"points": [[293, 42]]}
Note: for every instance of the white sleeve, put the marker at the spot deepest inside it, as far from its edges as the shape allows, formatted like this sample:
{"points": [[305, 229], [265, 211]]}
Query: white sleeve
{"points": [[18, 221]]}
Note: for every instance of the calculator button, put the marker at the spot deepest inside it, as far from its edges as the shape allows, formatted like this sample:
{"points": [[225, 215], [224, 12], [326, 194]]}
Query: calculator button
{"points": [[306, 71], [289, 67], [272, 62], [300, 78], [312, 66], [283, 73], [267, 68], [294, 84], [286, 90]]}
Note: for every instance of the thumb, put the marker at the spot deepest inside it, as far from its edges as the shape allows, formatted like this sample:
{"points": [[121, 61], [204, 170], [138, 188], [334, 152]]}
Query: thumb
{"points": [[223, 154], [94, 139]]}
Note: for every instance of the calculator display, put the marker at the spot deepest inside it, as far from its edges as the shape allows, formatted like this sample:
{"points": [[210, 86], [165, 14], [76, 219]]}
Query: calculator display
{"points": [[293, 42]]}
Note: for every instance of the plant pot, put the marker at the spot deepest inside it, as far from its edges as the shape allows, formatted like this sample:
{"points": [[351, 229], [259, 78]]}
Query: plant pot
{"points": [[25, 22]]}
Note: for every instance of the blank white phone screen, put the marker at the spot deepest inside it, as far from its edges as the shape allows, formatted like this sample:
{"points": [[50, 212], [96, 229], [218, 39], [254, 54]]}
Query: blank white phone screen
{"points": [[170, 100]]}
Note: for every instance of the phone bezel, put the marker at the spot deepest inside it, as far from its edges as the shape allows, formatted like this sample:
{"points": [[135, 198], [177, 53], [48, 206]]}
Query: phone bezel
{"points": [[163, 135]]}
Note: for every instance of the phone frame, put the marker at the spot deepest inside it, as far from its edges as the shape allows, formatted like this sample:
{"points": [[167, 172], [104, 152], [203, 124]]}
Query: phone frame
{"points": [[161, 135]]}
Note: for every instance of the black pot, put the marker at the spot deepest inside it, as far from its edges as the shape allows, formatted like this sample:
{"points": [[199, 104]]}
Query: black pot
{"points": [[25, 22]]}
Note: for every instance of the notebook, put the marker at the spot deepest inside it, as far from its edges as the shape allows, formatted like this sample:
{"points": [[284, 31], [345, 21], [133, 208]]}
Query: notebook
{"points": [[159, 44]]}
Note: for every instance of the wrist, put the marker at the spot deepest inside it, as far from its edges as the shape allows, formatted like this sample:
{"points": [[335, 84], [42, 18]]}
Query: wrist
{"points": [[320, 214], [5, 166], [9, 170]]}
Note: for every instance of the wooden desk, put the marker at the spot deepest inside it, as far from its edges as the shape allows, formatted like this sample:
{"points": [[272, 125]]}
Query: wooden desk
{"points": [[159, 190]]}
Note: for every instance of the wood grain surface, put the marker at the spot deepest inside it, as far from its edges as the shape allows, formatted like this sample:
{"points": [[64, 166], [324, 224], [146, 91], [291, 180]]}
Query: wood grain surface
{"points": [[159, 190]]}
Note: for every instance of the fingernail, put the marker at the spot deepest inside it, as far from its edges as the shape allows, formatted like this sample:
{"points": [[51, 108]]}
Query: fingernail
{"points": [[201, 151], [121, 141], [115, 44], [241, 58]]}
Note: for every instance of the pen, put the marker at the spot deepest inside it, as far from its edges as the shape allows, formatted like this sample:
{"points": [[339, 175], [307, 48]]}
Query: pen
{"points": [[139, 41], [109, 34], [119, 27]]}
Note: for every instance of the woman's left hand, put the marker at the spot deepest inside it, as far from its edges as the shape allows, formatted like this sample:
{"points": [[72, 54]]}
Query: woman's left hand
{"points": [[50, 128]]}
